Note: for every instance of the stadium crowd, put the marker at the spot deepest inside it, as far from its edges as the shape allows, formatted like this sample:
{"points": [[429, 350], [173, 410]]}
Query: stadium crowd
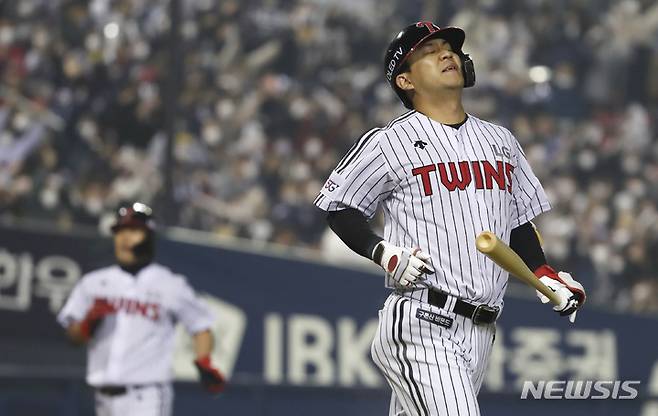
{"points": [[274, 92]]}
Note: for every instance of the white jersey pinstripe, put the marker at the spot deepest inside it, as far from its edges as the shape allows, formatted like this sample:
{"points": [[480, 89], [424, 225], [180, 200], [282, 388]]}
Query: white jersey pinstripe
{"points": [[438, 188]]}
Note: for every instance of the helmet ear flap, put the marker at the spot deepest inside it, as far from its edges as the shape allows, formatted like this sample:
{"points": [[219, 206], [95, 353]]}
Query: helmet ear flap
{"points": [[468, 70]]}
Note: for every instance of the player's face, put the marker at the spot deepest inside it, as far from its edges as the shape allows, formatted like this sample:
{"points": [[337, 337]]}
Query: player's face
{"points": [[125, 239], [434, 66]]}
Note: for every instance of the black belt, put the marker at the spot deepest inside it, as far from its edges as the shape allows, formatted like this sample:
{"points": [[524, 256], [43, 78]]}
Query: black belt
{"points": [[480, 314], [119, 390], [112, 390]]}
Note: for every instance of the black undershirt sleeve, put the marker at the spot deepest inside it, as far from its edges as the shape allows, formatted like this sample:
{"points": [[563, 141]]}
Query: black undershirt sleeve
{"points": [[525, 242], [351, 226]]}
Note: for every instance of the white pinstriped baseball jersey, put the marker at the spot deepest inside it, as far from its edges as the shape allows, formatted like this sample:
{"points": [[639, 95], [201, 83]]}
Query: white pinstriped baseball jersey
{"points": [[439, 187]]}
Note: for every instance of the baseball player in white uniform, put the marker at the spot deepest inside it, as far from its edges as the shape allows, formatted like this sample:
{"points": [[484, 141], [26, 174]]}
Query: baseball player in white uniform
{"points": [[441, 177], [126, 315]]}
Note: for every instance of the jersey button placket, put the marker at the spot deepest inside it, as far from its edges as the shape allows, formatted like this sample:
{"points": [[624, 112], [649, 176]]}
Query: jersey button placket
{"points": [[459, 145], [118, 345]]}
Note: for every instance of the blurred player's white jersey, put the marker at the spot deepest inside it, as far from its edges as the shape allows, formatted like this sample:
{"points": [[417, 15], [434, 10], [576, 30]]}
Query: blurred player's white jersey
{"points": [[134, 346], [439, 187]]}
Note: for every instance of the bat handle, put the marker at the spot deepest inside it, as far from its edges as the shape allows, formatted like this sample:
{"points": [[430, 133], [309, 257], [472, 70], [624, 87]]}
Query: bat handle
{"points": [[500, 253]]}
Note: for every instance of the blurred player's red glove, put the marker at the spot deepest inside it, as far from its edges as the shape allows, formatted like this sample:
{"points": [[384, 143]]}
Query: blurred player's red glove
{"points": [[211, 378], [99, 310]]}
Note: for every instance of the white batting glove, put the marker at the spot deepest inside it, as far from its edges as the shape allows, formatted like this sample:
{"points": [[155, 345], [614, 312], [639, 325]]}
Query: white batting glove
{"points": [[402, 265], [570, 292]]}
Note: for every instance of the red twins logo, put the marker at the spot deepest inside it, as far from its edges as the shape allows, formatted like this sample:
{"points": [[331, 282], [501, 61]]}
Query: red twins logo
{"points": [[148, 310], [459, 175]]}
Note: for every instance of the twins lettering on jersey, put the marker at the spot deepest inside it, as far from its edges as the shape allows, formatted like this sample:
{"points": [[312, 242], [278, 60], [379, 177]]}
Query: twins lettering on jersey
{"points": [[458, 175], [148, 310]]}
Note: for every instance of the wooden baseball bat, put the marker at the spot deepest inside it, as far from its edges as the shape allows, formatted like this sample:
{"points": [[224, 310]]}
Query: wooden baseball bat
{"points": [[501, 254]]}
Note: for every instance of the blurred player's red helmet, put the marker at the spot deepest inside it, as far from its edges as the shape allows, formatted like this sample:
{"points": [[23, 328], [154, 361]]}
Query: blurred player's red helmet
{"points": [[134, 215], [410, 38]]}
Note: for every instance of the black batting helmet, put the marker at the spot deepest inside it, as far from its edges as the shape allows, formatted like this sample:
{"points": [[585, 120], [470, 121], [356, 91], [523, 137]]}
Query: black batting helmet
{"points": [[410, 38], [134, 215]]}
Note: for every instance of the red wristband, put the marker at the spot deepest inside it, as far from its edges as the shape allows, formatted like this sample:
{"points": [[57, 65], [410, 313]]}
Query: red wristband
{"points": [[204, 361], [85, 330], [546, 270]]}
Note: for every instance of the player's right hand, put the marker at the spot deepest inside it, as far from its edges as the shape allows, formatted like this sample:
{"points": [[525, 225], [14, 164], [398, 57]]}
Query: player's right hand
{"points": [[404, 266], [95, 315]]}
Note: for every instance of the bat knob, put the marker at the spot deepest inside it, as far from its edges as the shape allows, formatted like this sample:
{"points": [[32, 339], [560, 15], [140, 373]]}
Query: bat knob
{"points": [[486, 241]]}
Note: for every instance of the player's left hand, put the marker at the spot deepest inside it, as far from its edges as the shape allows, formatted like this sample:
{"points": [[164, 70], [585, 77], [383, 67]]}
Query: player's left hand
{"points": [[211, 378], [568, 289]]}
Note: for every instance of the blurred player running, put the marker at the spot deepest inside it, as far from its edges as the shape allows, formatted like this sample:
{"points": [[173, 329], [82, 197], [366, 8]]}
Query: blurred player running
{"points": [[126, 314]]}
